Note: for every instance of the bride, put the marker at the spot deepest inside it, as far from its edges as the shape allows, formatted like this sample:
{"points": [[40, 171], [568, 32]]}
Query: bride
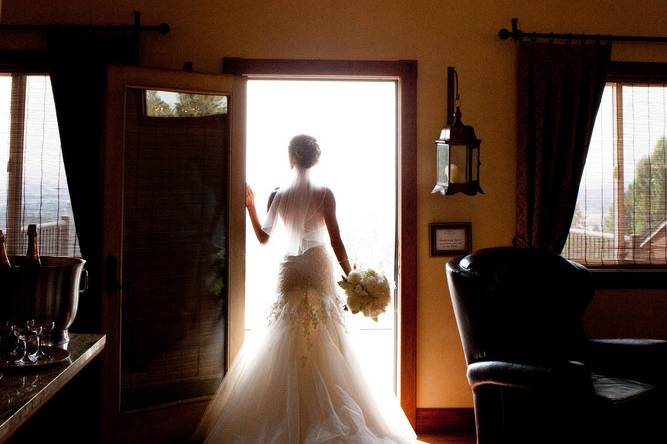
{"points": [[301, 384]]}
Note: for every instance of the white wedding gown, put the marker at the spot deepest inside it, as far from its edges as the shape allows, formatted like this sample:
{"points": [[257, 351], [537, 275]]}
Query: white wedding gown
{"points": [[301, 384]]}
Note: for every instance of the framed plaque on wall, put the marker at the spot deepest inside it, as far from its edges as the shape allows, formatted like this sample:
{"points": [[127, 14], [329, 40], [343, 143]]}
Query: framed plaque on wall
{"points": [[451, 238]]}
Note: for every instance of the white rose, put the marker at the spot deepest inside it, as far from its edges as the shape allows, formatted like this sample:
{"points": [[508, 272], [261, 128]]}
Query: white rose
{"points": [[354, 277], [370, 280], [354, 303]]}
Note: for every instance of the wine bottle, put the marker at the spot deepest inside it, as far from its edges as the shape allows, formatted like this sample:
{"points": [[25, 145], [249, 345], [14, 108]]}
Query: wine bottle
{"points": [[5, 264], [33, 252]]}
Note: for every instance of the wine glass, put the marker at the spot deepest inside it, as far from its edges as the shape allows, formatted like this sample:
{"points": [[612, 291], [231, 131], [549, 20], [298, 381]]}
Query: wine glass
{"points": [[26, 358], [41, 329], [47, 332]]}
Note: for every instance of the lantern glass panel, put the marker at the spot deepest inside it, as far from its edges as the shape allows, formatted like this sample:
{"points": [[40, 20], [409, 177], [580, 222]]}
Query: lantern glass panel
{"points": [[458, 164], [475, 164], [443, 162]]}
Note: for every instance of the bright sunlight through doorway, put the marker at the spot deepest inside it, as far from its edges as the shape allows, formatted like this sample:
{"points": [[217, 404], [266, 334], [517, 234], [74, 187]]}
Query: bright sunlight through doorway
{"points": [[355, 125]]}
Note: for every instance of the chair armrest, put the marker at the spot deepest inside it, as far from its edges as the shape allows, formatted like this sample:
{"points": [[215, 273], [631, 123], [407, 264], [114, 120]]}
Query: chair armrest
{"points": [[571, 374], [644, 359]]}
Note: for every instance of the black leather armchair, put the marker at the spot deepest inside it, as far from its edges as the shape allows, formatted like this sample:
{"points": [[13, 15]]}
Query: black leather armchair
{"points": [[536, 377]]}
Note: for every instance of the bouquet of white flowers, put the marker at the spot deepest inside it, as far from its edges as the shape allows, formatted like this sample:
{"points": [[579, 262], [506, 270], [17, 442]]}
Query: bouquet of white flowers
{"points": [[367, 291]]}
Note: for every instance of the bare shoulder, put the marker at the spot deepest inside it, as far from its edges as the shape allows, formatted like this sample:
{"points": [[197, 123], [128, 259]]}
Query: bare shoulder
{"points": [[328, 200], [328, 195]]}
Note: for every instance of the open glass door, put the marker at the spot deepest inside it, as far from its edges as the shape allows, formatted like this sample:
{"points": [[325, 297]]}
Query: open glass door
{"points": [[174, 225]]}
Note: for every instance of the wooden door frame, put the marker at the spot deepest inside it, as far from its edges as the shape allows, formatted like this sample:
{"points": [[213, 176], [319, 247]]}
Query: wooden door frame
{"points": [[405, 72]]}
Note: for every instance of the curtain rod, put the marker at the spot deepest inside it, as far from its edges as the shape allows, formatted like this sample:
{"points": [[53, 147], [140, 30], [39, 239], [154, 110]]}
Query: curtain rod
{"points": [[162, 28], [518, 34]]}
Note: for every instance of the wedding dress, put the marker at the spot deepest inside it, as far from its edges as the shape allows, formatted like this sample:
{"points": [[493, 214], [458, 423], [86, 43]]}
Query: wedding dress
{"points": [[301, 383]]}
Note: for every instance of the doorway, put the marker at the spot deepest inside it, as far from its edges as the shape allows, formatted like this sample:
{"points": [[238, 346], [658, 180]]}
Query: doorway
{"points": [[355, 123], [404, 73]]}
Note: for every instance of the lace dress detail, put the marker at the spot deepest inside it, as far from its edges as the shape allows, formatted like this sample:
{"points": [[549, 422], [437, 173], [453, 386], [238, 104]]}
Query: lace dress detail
{"points": [[307, 297]]}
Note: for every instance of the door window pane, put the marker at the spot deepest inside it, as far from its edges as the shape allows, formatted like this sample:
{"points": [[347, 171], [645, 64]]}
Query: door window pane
{"points": [[178, 104]]}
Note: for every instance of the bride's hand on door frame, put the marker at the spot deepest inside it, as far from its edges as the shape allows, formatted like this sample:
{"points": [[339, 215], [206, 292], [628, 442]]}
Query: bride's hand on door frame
{"points": [[262, 237], [249, 197]]}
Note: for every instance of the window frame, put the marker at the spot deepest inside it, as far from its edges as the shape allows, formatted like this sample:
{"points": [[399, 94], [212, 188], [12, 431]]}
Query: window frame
{"points": [[632, 275], [15, 168]]}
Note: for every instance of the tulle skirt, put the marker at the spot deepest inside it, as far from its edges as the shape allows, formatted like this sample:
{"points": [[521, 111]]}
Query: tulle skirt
{"points": [[300, 383]]}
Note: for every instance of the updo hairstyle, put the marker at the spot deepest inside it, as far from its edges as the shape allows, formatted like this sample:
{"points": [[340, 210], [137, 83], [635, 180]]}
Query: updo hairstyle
{"points": [[304, 151]]}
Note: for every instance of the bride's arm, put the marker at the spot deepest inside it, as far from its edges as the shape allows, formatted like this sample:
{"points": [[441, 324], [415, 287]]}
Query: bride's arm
{"points": [[262, 236], [334, 232]]}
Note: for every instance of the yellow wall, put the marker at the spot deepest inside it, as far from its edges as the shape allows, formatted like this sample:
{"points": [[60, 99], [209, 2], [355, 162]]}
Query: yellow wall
{"points": [[437, 33]]}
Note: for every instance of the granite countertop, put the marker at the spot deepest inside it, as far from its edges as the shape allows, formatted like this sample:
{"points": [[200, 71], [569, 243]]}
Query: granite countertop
{"points": [[24, 391]]}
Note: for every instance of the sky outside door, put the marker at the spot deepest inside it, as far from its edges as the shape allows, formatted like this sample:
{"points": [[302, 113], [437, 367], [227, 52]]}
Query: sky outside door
{"points": [[355, 125]]}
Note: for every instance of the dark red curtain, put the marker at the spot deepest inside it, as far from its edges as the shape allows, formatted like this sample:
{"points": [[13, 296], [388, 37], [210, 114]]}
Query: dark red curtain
{"points": [[559, 91], [77, 61]]}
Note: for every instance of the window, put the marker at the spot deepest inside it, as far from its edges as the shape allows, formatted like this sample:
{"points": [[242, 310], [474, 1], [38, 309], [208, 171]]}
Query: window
{"points": [[621, 212], [33, 188]]}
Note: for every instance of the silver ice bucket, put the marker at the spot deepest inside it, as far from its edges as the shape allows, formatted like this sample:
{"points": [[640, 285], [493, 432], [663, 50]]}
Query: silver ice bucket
{"points": [[49, 293]]}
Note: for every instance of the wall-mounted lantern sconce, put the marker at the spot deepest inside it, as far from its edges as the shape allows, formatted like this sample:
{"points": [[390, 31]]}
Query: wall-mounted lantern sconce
{"points": [[457, 148]]}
